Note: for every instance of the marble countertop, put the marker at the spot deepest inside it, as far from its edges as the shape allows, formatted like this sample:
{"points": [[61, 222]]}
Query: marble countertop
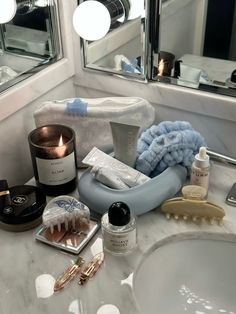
{"points": [[217, 69], [23, 261]]}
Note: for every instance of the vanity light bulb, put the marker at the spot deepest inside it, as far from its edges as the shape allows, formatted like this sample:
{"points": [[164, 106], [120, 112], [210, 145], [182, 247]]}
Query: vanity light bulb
{"points": [[91, 20], [136, 9], [7, 10], [42, 3]]}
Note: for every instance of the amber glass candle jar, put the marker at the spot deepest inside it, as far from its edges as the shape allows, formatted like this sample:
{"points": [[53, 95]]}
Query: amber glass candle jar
{"points": [[53, 157]]}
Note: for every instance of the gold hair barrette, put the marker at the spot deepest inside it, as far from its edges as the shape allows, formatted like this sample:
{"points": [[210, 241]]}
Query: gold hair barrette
{"points": [[68, 274], [91, 268], [193, 206]]}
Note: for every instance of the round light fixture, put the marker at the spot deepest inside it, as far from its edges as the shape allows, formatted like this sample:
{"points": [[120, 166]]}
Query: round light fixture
{"points": [[7, 10], [91, 20], [41, 3], [136, 9]]}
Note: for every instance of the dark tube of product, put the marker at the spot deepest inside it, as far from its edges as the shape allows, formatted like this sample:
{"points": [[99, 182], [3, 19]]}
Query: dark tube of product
{"points": [[5, 197]]}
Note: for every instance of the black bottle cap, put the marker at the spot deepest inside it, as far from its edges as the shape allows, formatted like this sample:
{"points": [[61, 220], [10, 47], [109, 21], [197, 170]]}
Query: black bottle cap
{"points": [[5, 198], [119, 214], [177, 70], [3, 185], [233, 76]]}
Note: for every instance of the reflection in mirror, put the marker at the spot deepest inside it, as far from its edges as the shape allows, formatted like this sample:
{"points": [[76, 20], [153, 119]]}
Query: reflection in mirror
{"points": [[190, 43], [29, 41], [200, 34], [115, 41]]}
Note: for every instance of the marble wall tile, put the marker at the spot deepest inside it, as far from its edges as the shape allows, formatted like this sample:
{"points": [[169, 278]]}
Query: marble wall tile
{"points": [[15, 160], [216, 126]]}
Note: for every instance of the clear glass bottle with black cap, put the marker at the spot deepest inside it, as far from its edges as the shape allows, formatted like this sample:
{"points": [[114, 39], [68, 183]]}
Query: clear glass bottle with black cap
{"points": [[119, 229]]}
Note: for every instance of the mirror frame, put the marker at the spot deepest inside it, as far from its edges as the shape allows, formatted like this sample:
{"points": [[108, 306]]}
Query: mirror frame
{"points": [[49, 79], [150, 40], [154, 12], [147, 33], [57, 50]]}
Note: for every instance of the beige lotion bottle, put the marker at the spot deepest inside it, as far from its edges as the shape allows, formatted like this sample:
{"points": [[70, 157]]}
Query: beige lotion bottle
{"points": [[200, 169]]}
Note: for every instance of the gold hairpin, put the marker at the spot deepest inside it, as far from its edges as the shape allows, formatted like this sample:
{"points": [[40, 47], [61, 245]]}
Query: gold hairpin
{"points": [[68, 274], [91, 268]]}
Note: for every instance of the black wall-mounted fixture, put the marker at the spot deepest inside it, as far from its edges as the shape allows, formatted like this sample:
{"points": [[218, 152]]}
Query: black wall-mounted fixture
{"points": [[117, 9]]}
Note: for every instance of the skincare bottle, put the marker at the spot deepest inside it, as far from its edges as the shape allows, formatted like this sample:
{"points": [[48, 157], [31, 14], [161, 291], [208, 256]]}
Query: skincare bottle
{"points": [[200, 169], [119, 229], [125, 139]]}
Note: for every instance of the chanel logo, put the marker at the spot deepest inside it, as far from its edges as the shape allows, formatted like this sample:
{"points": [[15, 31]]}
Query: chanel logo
{"points": [[19, 199]]}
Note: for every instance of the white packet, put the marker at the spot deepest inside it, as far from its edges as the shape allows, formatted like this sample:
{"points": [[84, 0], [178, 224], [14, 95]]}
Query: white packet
{"points": [[128, 175]]}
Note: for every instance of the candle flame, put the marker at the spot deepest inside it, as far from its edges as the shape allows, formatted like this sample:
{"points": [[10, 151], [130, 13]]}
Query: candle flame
{"points": [[60, 143], [161, 67], [61, 149]]}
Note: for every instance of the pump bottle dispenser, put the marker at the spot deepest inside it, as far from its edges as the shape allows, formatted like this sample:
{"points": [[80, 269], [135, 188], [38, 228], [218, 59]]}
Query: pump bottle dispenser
{"points": [[200, 169]]}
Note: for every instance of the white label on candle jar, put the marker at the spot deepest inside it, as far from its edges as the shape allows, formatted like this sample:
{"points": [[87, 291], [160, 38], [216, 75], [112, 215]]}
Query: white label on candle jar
{"points": [[56, 171]]}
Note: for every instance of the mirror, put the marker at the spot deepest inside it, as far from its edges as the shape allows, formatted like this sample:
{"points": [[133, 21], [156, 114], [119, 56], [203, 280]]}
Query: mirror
{"points": [[200, 34], [30, 41], [122, 48], [190, 43]]}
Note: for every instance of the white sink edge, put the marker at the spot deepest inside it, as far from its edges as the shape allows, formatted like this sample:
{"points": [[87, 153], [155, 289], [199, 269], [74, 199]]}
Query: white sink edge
{"points": [[178, 237], [188, 235]]}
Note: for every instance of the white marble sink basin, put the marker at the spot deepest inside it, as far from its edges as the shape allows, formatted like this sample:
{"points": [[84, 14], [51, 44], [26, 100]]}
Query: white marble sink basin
{"points": [[188, 274]]}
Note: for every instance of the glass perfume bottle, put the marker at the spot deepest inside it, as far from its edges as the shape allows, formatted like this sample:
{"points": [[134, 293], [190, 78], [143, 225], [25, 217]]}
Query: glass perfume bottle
{"points": [[119, 229], [200, 170]]}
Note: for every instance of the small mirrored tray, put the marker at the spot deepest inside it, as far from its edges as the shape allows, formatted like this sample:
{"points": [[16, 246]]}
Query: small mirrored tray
{"points": [[70, 241]]}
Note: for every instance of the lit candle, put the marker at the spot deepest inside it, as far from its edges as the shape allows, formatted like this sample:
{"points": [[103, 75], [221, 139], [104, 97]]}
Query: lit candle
{"points": [[161, 67], [61, 149], [166, 63], [53, 156]]}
